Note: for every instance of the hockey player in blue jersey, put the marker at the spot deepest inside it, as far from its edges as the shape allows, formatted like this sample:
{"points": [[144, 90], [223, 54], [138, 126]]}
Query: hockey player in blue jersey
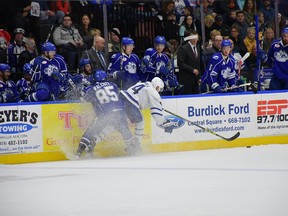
{"points": [[156, 63], [24, 85], [74, 84], [8, 89], [49, 72], [220, 73], [124, 66], [85, 69], [278, 57], [110, 116]]}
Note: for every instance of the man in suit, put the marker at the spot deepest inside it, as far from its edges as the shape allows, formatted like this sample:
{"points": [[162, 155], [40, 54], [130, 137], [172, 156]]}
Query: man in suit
{"points": [[189, 61], [99, 60]]}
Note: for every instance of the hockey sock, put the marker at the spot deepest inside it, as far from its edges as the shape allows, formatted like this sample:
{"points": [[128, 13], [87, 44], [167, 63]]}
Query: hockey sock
{"points": [[138, 133], [84, 144]]}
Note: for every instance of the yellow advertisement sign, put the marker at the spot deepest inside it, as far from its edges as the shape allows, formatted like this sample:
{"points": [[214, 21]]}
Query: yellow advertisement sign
{"points": [[64, 125]]}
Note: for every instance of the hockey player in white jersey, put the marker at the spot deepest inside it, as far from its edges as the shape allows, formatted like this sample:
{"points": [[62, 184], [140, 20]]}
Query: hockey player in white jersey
{"points": [[144, 95]]}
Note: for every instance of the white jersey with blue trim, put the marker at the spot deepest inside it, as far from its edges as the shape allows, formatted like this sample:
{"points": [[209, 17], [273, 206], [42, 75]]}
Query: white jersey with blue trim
{"points": [[143, 95]]}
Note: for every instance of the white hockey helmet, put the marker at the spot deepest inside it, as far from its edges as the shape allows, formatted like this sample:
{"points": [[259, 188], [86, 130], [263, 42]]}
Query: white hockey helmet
{"points": [[157, 82]]}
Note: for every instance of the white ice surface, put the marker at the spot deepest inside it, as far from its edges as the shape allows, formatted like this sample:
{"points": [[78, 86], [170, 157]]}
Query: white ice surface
{"points": [[225, 182]]}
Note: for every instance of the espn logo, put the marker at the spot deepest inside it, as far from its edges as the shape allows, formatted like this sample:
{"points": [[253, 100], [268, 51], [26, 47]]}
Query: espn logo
{"points": [[271, 107]]}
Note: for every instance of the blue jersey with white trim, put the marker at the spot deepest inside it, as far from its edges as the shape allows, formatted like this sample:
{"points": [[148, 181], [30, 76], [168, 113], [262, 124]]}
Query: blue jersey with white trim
{"points": [[220, 72], [8, 92], [23, 87], [129, 65], [104, 97], [51, 72], [143, 95], [278, 56], [156, 60]]}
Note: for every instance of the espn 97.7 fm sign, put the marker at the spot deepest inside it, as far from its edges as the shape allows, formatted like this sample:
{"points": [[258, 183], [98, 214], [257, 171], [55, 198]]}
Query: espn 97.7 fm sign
{"points": [[269, 111]]}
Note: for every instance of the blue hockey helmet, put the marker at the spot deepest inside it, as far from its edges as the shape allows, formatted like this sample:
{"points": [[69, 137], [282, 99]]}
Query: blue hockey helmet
{"points": [[160, 40], [285, 30], [100, 75], [27, 68], [127, 41], [84, 62], [226, 43], [48, 46], [4, 67]]}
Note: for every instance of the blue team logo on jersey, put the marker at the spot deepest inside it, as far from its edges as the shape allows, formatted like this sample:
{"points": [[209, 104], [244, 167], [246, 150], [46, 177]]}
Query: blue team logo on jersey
{"points": [[177, 122], [14, 128]]}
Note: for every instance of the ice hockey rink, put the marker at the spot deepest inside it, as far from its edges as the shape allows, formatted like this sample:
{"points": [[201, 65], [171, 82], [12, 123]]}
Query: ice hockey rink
{"points": [[221, 182]]}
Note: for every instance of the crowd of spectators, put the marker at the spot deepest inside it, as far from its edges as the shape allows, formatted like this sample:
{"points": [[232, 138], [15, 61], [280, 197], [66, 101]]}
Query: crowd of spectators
{"points": [[76, 33]]}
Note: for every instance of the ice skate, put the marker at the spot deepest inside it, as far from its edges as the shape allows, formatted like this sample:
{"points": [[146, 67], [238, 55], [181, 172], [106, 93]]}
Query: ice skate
{"points": [[79, 152], [89, 152], [133, 148], [77, 155]]}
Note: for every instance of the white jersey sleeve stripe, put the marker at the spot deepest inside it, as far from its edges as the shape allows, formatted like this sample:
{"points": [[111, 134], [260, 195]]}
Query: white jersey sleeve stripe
{"points": [[160, 114], [130, 98], [156, 108]]}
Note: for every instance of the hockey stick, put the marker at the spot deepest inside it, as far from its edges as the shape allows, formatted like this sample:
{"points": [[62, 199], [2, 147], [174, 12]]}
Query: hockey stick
{"points": [[50, 32], [258, 61], [205, 129], [241, 62], [254, 89], [47, 39], [245, 57]]}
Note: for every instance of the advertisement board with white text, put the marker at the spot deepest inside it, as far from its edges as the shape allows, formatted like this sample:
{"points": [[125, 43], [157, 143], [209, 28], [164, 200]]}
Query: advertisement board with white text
{"points": [[20, 129], [251, 115]]}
